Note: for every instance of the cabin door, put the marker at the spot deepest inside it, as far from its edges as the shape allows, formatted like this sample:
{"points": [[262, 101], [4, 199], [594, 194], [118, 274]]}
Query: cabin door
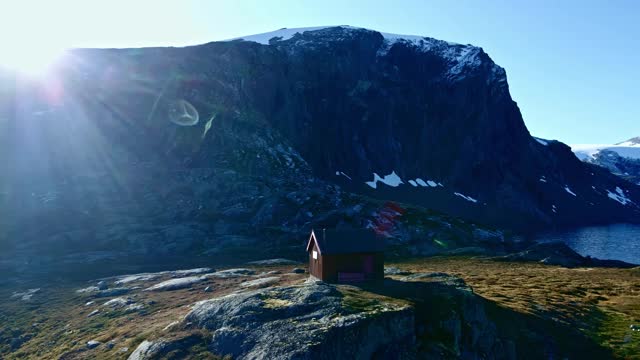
{"points": [[368, 264], [315, 266]]}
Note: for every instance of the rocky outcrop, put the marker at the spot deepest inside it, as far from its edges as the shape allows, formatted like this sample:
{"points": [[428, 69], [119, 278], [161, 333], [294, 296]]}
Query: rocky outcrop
{"points": [[175, 284], [178, 347], [259, 325], [229, 273], [415, 316], [315, 312], [262, 282], [316, 320]]}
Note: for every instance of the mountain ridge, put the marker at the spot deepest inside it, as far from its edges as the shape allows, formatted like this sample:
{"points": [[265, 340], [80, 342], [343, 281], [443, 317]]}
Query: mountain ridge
{"points": [[284, 137], [631, 142]]}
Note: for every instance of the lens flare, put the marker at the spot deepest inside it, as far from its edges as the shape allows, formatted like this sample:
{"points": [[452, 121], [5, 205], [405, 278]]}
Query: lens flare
{"points": [[31, 60], [182, 113]]}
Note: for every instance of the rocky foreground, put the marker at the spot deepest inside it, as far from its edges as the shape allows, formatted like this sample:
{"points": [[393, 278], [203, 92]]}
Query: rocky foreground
{"points": [[450, 307]]}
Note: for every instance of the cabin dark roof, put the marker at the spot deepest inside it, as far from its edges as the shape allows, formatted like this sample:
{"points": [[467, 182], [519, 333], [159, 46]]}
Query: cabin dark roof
{"points": [[347, 241]]}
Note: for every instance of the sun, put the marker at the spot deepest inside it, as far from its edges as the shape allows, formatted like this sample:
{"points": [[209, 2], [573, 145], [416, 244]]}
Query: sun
{"points": [[31, 59]]}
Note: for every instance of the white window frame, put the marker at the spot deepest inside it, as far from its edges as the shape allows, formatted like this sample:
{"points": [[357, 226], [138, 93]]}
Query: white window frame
{"points": [[315, 255]]}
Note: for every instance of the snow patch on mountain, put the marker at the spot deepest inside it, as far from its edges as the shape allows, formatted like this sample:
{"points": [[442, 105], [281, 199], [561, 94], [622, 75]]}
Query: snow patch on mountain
{"points": [[468, 198], [392, 180], [341, 173], [460, 57], [619, 196], [567, 189], [420, 182], [286, 34], [281, 35], [541, 141]]}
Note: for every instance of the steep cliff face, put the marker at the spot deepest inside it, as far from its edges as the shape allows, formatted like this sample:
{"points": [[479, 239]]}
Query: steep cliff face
{"points": [[360, 105], [213, 144]]}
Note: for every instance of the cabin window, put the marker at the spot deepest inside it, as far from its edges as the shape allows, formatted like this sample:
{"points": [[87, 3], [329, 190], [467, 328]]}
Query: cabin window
{"points": [[315, 254]]}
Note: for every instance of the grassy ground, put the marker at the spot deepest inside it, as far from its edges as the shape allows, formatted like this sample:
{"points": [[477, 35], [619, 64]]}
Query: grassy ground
{"points": [[599, 302], [57, 324]]}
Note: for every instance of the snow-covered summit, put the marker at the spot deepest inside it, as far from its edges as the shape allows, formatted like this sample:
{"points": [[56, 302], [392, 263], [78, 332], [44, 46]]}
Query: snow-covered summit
{"points": [[622, 159], [281, 34], [627, 149], [459, 56], [286, 34], [631, 142]]}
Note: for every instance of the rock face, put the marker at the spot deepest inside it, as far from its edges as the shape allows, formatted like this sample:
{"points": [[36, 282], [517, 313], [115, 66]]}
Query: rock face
{"points": [[228, 273], [259, 325], [262, 282], [210, 148], [175, 284], [134, 278], [417, 316], [376, 102], [151, 350]]}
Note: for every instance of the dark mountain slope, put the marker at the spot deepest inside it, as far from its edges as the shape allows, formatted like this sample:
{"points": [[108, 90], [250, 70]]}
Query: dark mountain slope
{"points": [[106, 154], [357, 103]]}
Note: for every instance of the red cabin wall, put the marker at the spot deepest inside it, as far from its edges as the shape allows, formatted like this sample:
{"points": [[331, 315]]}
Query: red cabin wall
{"points": [[332, 265]]}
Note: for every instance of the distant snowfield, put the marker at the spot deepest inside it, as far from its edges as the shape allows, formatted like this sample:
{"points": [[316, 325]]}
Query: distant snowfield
{"points": [[588, 151]]}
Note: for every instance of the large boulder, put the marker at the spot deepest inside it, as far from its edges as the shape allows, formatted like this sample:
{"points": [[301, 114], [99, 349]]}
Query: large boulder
{"points": [[313, 320]]}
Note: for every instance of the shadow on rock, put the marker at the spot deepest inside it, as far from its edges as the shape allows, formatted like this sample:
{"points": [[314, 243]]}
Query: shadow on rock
{"points": [[451, 321]]}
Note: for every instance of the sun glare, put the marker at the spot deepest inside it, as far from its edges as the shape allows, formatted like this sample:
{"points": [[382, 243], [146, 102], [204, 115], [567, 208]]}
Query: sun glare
{"points": [[31, 59]]}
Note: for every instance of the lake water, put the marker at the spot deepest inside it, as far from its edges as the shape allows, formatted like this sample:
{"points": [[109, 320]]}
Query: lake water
{"points": [[613, 242]]}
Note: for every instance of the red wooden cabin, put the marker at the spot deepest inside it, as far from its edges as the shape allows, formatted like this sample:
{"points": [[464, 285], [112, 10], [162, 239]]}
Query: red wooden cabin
{"points": [[346, 256]]}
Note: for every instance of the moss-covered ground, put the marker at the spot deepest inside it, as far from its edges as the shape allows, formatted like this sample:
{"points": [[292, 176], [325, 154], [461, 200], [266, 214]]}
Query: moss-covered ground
{"points": [[601, 303]]}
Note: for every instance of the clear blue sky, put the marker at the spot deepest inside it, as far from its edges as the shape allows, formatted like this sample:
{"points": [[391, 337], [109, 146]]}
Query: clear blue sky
{"points": [[573, 66]]}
